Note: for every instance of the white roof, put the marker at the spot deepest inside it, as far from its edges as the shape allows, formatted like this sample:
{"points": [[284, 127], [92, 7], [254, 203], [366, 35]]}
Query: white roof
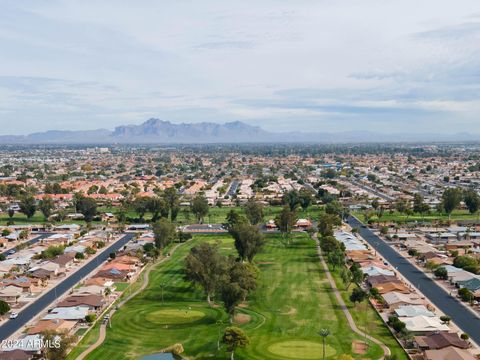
{"points": [[351, 242], [68, 313], [395, 297], [28, 343], [375, 270], [413, 310], [424, 323], [451, 269], [75, 248]]}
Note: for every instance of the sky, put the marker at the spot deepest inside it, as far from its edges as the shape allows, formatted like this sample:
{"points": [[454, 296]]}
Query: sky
{"points": [[378, 65]]}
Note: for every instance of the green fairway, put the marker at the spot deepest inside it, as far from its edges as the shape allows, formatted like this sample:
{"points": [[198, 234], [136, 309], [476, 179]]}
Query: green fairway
{"points": [[216, 215], [282, 318]]}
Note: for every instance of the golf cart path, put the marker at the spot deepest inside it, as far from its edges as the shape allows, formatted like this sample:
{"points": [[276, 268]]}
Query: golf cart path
{"points": [[103, 326], [351, 322]]}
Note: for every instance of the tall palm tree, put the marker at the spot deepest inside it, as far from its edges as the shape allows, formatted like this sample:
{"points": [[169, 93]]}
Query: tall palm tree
{"points": [[324, 333]]}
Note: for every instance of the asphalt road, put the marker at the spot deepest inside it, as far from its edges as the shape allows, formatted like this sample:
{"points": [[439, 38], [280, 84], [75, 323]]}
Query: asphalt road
{"points": [[30, 242], [11, 326], [462, 317]]}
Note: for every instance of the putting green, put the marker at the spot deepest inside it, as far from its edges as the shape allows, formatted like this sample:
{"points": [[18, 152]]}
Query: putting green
{"points": [[297, 349], [174, 316]]}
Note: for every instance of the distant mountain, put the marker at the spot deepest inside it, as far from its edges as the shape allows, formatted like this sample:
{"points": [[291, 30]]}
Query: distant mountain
{"points": [[155, 131]]}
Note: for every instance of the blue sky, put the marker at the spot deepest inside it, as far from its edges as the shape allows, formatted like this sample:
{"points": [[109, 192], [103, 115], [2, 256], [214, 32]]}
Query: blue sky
{"points": [[403, 66]]}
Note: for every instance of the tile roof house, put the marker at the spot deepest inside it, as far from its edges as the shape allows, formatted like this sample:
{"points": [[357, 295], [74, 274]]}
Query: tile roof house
{"points": [[440, 340], [10, 294], [16, 354], [58, 325], [93, 302], [398, 287], [395, 299], [448, 353], [381, 279]]}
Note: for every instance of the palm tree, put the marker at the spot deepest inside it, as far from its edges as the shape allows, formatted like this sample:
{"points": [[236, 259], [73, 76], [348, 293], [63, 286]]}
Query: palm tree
{"points": [[324, 333]]}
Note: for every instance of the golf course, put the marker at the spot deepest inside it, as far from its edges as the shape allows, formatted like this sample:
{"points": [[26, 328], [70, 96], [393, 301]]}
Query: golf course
{"points": [[282, 318]]}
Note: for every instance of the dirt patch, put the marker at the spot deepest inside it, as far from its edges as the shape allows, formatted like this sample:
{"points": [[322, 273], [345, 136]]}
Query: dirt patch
{"points": [[242, 318], [290, 312], [243, 305], [359, 347], [265, 262]]}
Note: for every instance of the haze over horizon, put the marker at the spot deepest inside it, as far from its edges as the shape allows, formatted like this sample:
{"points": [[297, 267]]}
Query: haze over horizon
{"points": [[302, 66]]}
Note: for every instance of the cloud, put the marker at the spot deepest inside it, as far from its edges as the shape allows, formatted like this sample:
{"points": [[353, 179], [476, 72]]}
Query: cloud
{"points": [[319, 65]]}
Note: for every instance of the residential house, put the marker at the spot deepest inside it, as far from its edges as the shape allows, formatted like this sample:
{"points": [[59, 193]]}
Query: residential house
{"points": [[448, 353], [440, 340], [424, 324], [92, 302]]}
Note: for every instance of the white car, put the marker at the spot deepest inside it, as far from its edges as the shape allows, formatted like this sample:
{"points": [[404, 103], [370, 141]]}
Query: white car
{"points": [[13, 315]]}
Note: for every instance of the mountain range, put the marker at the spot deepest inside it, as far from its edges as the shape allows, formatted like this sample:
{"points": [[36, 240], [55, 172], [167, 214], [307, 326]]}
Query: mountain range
{"points": [[155, 131]]}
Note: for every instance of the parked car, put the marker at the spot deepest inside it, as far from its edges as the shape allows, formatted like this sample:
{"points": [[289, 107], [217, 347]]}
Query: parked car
{"points": [[13, 315]]}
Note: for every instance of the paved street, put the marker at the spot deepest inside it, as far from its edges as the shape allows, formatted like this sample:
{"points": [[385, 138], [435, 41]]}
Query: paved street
{"points": [[30, 242], [463, 318], [11, 326]]}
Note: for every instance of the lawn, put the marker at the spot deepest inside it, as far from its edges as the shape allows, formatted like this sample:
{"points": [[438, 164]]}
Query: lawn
{"points": [[121, 286], [433, 216], [216, 215], [282, 318], [365, 315]]}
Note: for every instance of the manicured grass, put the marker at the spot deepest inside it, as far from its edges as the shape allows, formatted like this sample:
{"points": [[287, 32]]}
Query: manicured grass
{"points": [[367, 318], [88, 340], [433, 216], [121, 286], [292, 303], [216, 215]]}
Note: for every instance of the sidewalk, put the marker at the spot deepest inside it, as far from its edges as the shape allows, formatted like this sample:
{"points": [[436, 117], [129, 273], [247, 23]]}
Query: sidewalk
{"points": [[343, 306]]}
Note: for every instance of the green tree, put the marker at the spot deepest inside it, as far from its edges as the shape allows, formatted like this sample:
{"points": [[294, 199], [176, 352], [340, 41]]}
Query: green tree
{"points": [[234, 338], [200, 207], [441, 273], [327, 222], [46, 206], [164, 232], [4, 307], [28, 206], [472, 201], [305, 198], [451, 198], [285, 221], [358, 295], [232, 294], [334, 208], [64, 342], [254, 211], [291, 199], [466, 295], [248, 240], [141, 206], [158, 207], [87, 207], [205, 266]]}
